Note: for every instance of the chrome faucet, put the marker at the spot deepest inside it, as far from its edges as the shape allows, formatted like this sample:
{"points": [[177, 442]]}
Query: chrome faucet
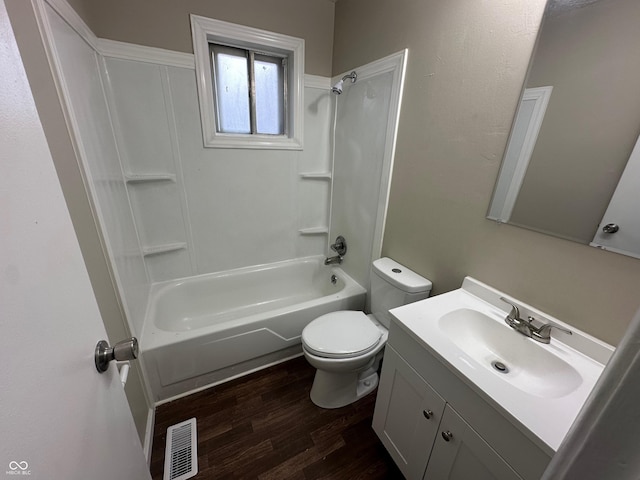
{"points": [[336, 260], [340, 247], [526, 327]]}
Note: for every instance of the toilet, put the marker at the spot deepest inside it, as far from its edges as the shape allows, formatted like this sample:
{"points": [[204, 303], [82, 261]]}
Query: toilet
{"points": [[346, 346]]}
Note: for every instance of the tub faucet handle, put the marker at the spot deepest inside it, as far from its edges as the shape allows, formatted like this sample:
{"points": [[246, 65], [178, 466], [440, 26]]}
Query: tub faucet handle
{"points": [[340, 247]]}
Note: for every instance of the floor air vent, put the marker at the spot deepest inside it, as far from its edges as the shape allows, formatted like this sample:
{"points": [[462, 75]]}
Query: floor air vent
{"points": [[181, 453]]}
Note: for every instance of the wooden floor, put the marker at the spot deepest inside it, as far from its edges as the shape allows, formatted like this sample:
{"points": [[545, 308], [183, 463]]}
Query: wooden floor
{"points": [[263, 426]]}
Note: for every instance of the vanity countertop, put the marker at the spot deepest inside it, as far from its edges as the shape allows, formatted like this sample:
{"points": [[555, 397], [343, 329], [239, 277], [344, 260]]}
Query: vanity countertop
{"points": [[546, 384]]}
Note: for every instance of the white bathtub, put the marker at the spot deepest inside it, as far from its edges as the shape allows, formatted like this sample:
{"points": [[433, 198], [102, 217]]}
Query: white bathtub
{"points": [[206, 329]]}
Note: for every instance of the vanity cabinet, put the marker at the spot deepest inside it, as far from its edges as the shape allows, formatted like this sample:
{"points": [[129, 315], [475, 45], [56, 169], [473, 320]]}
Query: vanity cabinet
{"points": [[420, 399], [460, 453], [408, 412], [421, 432]]}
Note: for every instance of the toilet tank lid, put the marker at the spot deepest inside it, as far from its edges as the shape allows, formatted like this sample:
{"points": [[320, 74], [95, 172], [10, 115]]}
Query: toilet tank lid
{"points": [[400, 276]]}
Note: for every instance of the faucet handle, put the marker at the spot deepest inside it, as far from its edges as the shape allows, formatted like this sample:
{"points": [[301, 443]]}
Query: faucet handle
{"points": [[543, 333], [340, 247], [515, 313], [546, 329]]}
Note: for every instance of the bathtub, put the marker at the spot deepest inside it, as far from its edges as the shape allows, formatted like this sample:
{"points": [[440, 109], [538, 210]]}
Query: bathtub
{"points": [[207, 329]]}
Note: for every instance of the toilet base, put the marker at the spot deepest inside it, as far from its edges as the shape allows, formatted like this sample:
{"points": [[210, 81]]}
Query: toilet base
{"points": [[335, 390]]}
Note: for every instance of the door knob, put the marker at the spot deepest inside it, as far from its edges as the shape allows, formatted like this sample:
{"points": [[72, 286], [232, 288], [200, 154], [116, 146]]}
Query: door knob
{"points": [[447, 436], [124, 350], [610, 228]]}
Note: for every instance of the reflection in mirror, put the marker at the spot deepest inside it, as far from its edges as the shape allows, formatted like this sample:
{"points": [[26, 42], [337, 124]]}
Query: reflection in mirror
{"points": [[576, 129]]}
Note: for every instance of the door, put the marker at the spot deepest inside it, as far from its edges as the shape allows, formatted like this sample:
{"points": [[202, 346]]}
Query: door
{"points": [[59, 418], [460, 453], [407, 415], [623, 212]]}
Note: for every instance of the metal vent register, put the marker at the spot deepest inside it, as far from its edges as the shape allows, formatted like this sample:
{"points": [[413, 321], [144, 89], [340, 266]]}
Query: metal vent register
{"points": [[181, 453]]}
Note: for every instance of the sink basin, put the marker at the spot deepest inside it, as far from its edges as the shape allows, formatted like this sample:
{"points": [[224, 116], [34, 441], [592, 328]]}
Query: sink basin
{"points": [[541, 386], [509, 354]]}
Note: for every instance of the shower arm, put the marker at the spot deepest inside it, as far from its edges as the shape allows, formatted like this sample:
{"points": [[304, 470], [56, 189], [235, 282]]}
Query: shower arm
{"points": [[353, 76]]}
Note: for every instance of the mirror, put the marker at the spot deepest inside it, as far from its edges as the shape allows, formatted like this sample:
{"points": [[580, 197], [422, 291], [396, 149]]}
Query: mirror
{"points": [[576, 129]]}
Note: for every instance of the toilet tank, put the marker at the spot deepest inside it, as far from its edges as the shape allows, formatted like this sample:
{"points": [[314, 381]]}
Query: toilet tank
{"points": [[393, 285]]}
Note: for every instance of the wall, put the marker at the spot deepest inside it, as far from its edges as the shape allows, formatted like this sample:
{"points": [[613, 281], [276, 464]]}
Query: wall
{"points": [[361, 124], [366, 122], [165, 24], [466, 67], [592, 123]]}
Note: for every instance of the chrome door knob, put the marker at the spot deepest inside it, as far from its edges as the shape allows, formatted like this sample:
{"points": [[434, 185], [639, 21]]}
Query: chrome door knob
{"points": [[427, 414], [124, 350], [610, 228], [447, 436]]}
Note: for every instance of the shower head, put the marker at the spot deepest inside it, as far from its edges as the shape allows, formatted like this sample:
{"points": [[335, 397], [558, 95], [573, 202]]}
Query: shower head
{"points": [[337, 88]]}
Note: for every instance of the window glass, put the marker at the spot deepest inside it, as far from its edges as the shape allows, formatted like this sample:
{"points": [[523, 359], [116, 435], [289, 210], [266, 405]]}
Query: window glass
{"points": [[269, 73], [232, 87]]}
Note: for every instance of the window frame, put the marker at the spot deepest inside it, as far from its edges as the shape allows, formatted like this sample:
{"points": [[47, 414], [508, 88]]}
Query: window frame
{"points": [[206, 31]]}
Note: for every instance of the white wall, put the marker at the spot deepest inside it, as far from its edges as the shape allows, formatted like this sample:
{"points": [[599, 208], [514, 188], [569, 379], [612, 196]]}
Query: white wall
{"points": [[95, 138], [359, 148], [226, 208], [366, 126]]}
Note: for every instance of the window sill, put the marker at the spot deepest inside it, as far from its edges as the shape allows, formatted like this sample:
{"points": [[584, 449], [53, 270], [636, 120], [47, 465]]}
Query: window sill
{"points": [[261, 142]]}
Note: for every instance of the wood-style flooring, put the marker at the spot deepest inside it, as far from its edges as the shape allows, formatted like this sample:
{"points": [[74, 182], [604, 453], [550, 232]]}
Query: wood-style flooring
{"points": [[264, 426]]}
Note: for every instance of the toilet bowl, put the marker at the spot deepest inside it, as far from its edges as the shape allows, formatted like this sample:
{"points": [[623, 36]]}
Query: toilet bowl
{"points": [[346, 346]]}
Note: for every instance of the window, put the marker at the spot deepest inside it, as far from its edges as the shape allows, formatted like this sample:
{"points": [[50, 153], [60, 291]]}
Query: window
{"points": [[250, 91], [250, 85]]}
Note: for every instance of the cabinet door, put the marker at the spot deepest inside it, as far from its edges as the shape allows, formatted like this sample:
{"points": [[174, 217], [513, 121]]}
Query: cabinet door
{"points": [[460, 453], [407, 415]]}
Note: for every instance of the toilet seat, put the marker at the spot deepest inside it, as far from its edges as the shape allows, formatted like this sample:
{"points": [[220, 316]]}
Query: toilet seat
{"points": [[342, 334]]}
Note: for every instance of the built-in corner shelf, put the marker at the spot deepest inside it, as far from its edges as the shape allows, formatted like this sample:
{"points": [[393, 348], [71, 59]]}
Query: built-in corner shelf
{"points": [[314, 231], [146, 178], [316, 176], [167, 247]]}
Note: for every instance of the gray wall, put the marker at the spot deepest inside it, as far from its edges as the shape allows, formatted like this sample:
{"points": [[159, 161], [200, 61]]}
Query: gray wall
{"points": [[589, 56], [165, 24], [467, 64]]}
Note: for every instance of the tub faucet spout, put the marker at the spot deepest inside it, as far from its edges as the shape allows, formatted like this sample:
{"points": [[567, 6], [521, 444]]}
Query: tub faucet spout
{"points": [[337, 260]]}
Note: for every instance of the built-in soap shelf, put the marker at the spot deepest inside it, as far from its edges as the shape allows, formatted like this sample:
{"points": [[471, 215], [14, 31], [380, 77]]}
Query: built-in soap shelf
{"points": [[165, 248], [314, 231], [322, 176], [316, 176], [132, 178]]}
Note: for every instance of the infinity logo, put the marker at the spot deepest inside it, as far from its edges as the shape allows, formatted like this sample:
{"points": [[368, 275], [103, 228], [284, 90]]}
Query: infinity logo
{"points": [[13, 465]]}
